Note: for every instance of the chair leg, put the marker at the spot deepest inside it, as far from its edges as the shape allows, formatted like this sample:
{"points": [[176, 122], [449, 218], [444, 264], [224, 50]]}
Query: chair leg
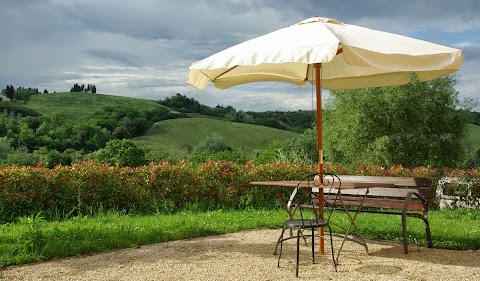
{"points": [[298, 250], [333, 251], [313, 246], [280, 254], [280, 238]]}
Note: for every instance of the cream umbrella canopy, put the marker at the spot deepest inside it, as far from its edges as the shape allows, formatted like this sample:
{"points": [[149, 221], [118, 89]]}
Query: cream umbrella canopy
{"points": [[328, 54]]}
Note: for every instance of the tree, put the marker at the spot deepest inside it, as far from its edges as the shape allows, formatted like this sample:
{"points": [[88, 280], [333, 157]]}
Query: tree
{"points": [[215, 143], [302, 149], [418, 124], [23, 93], [270, 153], [9, 92], [122, 152], [4, 147]]}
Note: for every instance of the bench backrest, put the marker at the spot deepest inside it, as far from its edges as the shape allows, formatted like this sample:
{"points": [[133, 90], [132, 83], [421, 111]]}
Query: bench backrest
{"points": [[387, 197], [397, 181]]}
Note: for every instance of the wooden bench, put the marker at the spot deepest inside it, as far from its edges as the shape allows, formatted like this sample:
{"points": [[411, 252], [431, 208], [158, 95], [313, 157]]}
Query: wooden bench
{"points": [[408, 198]]}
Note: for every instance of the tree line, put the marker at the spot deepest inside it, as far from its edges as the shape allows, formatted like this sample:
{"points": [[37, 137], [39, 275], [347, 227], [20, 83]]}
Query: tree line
{"points": [[81, 88], [296, 121], [22, 93]]}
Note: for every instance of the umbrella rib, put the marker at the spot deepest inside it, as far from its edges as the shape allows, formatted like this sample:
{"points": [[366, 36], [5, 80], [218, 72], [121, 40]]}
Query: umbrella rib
{"points": [[225, 72], [339, 51]]}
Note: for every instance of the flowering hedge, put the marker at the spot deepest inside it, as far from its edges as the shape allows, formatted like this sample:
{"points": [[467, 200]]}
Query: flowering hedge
{"points": [[66, 190], [462, 187], [161, 187]]}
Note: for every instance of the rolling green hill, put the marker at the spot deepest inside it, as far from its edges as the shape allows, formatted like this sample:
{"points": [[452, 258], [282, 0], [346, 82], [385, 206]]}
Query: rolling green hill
{"points": [[81, 105], [177, 135]]}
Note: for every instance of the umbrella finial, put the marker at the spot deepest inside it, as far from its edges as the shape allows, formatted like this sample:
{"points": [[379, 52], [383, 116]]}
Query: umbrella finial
{"points": [[319, 19]]}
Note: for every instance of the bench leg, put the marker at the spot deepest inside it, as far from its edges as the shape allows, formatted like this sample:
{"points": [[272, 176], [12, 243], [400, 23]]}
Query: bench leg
{"points": [[404, 229], [427, 231]]}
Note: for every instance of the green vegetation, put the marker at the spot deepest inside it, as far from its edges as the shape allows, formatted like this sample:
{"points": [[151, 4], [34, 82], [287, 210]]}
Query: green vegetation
{"points": [[68, 130], [78, 208], [122, 152], [177, 137], [418, 124], [474, 137], [64, 128], [77, 106], [33, 238], [296, 121]]}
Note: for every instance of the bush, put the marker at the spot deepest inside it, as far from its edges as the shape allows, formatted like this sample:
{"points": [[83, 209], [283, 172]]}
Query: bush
{"points": [[205, 156], [215, 143], [161, 187], [121, 152]]}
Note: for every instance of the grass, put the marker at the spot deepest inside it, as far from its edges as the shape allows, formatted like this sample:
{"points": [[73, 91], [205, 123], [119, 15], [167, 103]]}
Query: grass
{"points": [[474, 136], [77, 106], [450, 229], [179, 135], [33, 239]]}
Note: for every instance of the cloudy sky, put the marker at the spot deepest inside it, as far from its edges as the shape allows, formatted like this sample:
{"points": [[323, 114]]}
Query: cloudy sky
{"points": [[143, 48]]}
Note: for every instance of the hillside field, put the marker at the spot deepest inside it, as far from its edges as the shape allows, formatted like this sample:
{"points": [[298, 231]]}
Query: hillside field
{"points": [[76, 106], [178, 135], [474, 136]]}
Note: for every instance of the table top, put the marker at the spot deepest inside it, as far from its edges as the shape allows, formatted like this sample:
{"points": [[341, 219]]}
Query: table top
{"points": [[344, 184]]}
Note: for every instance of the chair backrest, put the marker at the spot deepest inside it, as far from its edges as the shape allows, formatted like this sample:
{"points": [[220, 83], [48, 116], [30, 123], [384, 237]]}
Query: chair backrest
{"points": [[307, 196]]}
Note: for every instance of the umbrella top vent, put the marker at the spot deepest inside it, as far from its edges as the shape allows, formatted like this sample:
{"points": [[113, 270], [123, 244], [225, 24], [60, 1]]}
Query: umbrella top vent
{"points": [[319, 19]]}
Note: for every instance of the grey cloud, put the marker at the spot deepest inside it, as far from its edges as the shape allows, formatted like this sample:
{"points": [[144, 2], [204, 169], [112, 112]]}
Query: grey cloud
{"points": [[122, 58], [144, 48], [156, 19], [471, 53]]}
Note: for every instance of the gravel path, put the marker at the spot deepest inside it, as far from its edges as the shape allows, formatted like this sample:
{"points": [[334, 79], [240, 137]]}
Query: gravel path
{"points": [[247, 255]]}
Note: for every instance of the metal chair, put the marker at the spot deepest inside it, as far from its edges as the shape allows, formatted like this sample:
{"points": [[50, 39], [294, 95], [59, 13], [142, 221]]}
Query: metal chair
{"points": [[306, 200], [290, 208]]}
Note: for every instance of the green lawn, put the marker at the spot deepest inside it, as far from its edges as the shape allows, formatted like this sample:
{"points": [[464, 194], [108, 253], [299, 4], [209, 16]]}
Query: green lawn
{"points": [[33, 239]]}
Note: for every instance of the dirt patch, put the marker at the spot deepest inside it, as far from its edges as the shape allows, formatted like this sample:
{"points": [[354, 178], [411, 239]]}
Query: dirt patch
{"points": [[247, 255]]}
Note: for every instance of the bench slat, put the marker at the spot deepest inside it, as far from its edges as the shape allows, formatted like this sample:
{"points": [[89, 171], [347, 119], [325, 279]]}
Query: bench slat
{"points": [[383, 192], [380, 203], [397, 181]]}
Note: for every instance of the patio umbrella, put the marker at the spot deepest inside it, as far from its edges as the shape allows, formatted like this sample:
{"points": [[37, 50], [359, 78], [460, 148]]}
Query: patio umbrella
{"points": [[328, 54]]}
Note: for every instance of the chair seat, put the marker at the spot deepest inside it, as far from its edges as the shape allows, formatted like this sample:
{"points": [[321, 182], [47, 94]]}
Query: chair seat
{"points": [[305, 223]]}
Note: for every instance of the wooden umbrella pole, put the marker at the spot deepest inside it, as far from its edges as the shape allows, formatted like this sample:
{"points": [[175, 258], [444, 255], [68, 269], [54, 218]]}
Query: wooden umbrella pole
{"points": [[318, 87]]}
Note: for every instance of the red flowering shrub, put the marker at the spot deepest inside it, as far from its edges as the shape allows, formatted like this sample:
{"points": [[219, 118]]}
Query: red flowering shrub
{"points": [[165, 187]]}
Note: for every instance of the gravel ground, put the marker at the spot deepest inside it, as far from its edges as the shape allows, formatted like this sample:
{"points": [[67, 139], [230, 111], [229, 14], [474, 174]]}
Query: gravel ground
{"points": [[247, 255]]}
